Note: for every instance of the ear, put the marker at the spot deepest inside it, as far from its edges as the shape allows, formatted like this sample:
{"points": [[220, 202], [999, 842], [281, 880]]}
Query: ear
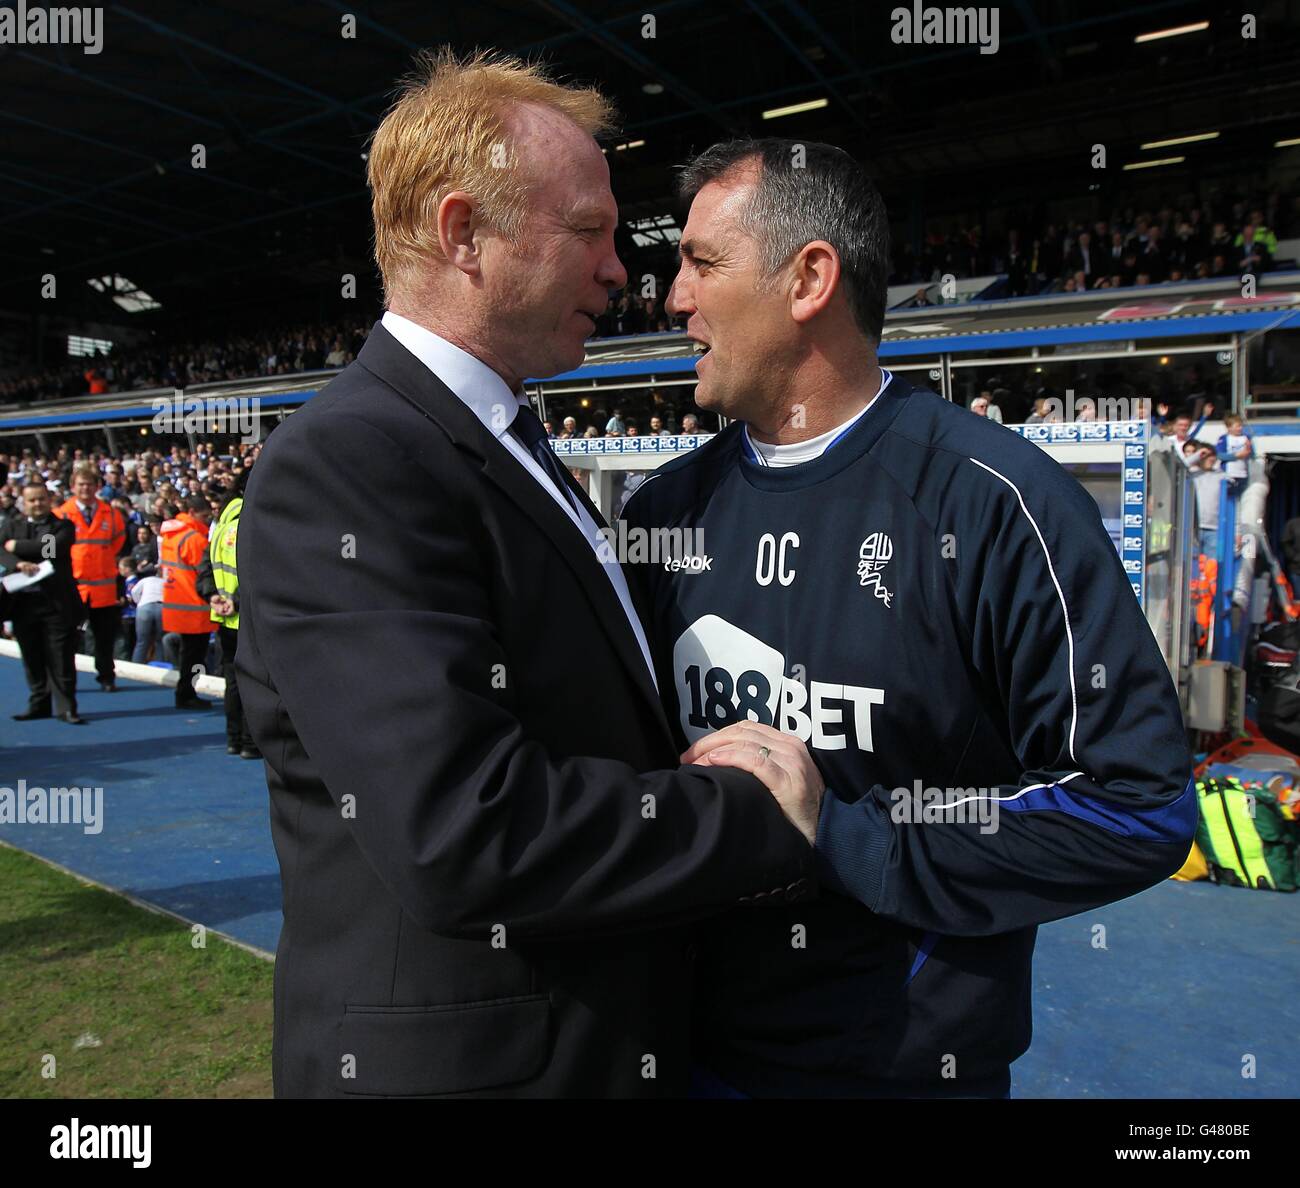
{"points": [[815, 280], [457, 227]]}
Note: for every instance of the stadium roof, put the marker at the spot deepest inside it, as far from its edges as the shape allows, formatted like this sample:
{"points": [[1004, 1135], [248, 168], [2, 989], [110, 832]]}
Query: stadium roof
{"points": [[99, 177]]}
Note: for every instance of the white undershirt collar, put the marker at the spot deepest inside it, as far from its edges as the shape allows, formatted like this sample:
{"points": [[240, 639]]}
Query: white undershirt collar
{"points": [[814, 447]]}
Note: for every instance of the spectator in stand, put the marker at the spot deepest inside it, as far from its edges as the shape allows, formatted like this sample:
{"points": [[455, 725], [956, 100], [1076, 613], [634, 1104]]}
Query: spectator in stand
{"points": [[1263, 233], [1017, 265], [1183, 433], [1235, 449], [127, 580], [1220, 243], [1252, 254], [1113, 261], [144, 553], [984, 406], [1208, 479], [631, 315], [1083, 260], [1043, 412], [1186, 251], [96, 382], [128, 513], [570, 427], [1137, 240], [1051, 256], [690, 424], [614, 426], [1151, 259]]}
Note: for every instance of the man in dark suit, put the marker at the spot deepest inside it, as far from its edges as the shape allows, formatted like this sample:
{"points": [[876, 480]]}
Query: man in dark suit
{"points": [[488, 848], [1084, 257], [47, 614]]}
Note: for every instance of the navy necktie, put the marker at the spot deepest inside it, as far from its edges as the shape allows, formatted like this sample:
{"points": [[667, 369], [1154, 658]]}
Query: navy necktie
{"points": [[532, 433]]}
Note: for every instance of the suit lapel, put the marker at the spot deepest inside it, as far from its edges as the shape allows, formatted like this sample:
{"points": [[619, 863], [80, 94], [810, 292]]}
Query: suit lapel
{"points": [[392, 363]]}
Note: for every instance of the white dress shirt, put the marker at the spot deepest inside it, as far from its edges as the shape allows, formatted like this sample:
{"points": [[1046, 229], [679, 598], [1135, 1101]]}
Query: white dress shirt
{"points": [[488, 397]]}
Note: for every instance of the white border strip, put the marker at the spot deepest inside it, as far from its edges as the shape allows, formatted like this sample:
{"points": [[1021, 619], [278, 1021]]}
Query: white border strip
{"points": [[213, 686]]}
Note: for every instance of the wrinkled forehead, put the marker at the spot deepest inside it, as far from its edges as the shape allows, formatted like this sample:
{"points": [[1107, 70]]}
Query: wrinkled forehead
{"points": [[717, 208], [562, 167]]}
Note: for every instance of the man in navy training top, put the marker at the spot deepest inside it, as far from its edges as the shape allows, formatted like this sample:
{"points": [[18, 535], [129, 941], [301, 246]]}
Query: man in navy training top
{"points": [[933, 606]]}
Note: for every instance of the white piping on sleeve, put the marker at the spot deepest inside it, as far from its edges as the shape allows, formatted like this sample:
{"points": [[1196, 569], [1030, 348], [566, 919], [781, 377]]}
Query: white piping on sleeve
{"points": [[1065, 610], [1016, 796]]}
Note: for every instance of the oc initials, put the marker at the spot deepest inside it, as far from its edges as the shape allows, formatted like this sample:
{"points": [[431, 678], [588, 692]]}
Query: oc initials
{"points": [[771, 559]]}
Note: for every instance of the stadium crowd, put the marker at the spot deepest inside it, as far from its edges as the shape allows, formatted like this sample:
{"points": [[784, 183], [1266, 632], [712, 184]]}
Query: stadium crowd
{"points": [[662, 421], [1185, 240], [237, 356], [1189, 239], [149, 489]]}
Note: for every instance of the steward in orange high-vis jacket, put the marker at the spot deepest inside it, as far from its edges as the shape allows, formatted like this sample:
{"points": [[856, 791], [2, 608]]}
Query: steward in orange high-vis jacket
{"points": [[183, 544], [100, 539]]}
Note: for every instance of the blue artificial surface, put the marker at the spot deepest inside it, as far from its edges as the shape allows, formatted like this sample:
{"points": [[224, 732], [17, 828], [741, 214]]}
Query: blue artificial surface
{"points": [[185, 826]]}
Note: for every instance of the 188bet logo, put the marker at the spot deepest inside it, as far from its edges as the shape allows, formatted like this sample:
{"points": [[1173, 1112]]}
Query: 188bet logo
{"points": [[726, 675]]}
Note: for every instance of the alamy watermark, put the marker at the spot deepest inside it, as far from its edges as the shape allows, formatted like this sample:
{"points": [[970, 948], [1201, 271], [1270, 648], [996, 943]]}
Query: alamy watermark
{"points": [[1093, 408], [678, 550], [925, 24], [53, 26], [919, 805], [207, 415], [101, 1140], [53, 806]]}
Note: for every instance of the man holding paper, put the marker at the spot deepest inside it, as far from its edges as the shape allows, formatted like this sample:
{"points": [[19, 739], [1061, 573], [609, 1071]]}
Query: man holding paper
{"points": [[45, 613]]}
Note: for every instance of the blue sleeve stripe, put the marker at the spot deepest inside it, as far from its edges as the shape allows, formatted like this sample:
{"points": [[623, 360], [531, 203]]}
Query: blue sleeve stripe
{"points": [[922, 954], [1172, 822]]}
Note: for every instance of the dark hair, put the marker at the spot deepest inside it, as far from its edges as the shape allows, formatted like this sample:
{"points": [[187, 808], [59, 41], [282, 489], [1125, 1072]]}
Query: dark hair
{"points": [[806, 191], [235, 491], [196, 503]]}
